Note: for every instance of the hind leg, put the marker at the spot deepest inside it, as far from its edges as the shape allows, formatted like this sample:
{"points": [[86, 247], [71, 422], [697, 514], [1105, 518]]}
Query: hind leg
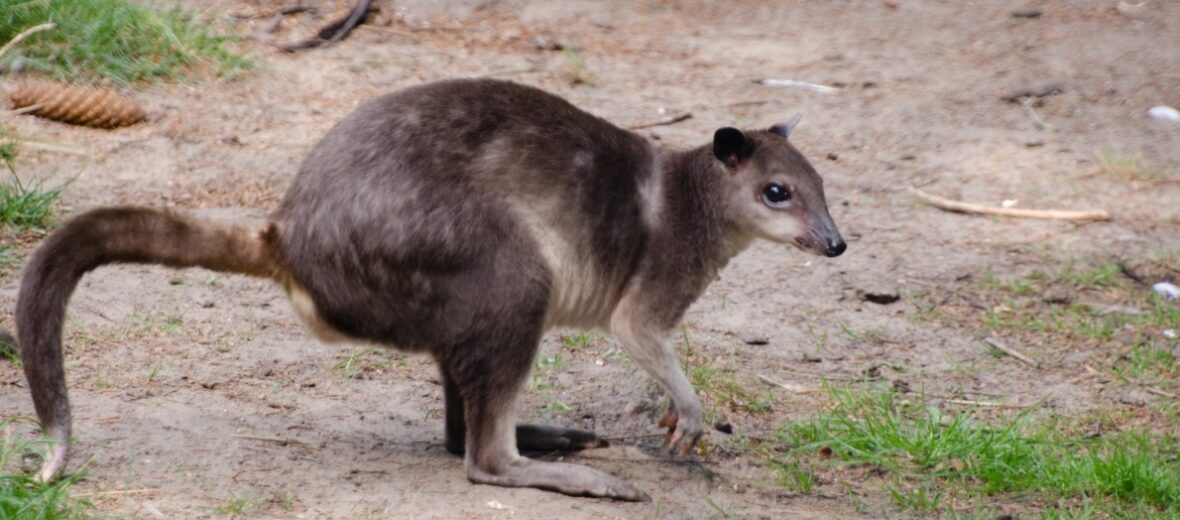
{"points": [[487, 379], [529, 437]]}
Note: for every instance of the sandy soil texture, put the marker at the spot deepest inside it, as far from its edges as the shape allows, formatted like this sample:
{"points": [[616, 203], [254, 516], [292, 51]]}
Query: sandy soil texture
{"points": [[199, 391]]}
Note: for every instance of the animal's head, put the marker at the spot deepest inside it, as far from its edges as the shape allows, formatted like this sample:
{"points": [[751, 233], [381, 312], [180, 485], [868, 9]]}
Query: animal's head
{"points": [[774, 192]]}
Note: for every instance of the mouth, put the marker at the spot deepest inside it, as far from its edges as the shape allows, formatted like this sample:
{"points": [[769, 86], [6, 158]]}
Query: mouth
{"points": [[818, 247], [805, 244]]}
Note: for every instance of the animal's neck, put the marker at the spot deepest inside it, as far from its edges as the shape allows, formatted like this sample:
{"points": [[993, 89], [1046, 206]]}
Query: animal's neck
{"points": [[693, 238], [696, 197]]}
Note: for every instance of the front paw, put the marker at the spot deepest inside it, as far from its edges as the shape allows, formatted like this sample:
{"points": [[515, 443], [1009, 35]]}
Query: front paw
{"points": [[684, 429]]}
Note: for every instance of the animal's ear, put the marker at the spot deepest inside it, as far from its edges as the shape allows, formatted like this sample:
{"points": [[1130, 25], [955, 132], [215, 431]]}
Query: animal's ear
{"points": [[730, 146], [784, 129]]}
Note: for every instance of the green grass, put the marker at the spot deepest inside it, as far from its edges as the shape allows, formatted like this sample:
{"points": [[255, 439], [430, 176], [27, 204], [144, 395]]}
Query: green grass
{"points": [[1147, 363], [579, 340], [929, 456], [21, 497], [237, 506], [115, 41], [1094, 308], [21, 206], [720, 386], [577, 73], [351, 367], [1126, 166]]}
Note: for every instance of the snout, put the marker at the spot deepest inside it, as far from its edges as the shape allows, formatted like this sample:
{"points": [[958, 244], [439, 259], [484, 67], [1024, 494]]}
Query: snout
{"points": [[834, 247]]}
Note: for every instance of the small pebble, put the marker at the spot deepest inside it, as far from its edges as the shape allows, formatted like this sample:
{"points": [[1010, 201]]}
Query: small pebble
{"points": [[1164, 113], [1167, 290], [547, 43]]}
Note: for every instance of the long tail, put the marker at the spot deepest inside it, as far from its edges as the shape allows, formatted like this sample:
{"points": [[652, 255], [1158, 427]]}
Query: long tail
{"points": [[104, 236]]}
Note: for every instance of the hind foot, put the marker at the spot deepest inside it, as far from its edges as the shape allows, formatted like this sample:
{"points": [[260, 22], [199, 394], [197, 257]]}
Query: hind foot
{"points": [[570, 479]]}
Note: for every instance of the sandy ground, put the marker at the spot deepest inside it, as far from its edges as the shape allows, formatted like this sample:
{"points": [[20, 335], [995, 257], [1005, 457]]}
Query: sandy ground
{"points": [[194, 389]]}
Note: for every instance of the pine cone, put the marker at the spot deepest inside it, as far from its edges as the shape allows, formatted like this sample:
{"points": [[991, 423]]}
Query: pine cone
{"points": [[87, 106]]}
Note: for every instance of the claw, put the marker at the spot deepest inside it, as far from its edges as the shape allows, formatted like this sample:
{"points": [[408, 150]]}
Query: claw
{"points": [[669, 421]]}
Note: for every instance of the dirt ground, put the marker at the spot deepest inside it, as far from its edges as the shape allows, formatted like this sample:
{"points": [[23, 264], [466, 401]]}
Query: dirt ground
{"points": [[201, 395]]}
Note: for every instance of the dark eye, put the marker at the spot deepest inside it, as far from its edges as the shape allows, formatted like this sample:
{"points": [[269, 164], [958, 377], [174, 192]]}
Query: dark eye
{"points": [[776, 195]]}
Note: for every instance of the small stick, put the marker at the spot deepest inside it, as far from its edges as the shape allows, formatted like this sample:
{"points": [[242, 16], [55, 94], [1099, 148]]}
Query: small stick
{"points": [[25, 110], [790, 387], [295, 9], [335, 31], [25, 34], [664, 122], [279, 440], [633, 436], [1090, 370], [116, 492], [1036, 118], [1161, 393], [990, 404], [966, 207], [1012, 352], [793, 83]]}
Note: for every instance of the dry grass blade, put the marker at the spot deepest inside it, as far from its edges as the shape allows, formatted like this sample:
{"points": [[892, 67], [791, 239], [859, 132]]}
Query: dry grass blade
{"points": [[664, 122], [798, 389], [1012, 352], [25, 34]]}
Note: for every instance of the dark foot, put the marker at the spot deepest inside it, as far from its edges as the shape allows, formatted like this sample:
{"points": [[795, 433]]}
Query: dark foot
{"points": [[536, 438], [540, 438]]}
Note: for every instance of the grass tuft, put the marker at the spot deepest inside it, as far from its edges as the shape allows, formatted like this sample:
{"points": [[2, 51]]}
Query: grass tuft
{"points": [[22, 497], [931, 454], [23, 206], [114, 41], [1126, 166], [237, 506]]}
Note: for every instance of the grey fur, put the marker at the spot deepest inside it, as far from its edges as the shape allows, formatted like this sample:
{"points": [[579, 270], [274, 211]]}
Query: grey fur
{"points": [[462, 219]]}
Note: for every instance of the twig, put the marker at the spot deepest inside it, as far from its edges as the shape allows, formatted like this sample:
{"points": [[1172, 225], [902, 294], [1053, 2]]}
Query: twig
{"points": [[335, 31], [1130, 273], [279, 440], [1031, 112], [295, 9], [748, 103], [664, 122], [632, 436], [1022, 94], [25, 34], [116, 492], [966, 207], [793, 83], [1161, 393], [990, 404], [1091, 371], [25, 110], [790, 387], [1012, 352]]}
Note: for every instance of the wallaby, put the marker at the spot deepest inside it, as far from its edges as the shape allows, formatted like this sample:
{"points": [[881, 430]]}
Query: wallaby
{"points": [[463, 219]]}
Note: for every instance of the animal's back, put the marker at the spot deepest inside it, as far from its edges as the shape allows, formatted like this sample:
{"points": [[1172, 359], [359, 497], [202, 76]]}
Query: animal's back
{"points": [[409, 204]]}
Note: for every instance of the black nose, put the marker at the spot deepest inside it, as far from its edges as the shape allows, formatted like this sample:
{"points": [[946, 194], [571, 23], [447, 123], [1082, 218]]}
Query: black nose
{"points": [[835, 248]]}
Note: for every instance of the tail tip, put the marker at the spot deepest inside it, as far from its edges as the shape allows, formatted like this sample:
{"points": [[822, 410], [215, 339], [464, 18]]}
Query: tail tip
{"points": [[55, 463]]}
